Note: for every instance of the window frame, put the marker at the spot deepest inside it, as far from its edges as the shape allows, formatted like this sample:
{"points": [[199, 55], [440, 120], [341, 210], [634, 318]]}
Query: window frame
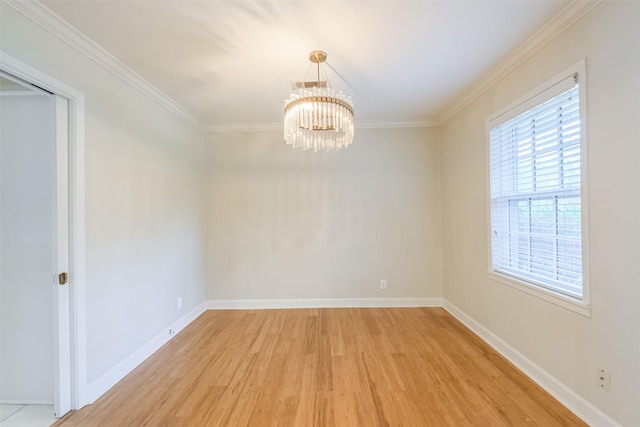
{"points": [[532, 99]]}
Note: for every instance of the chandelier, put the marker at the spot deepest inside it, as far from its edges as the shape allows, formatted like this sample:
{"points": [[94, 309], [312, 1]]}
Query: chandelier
{"points": [[315, 116]]}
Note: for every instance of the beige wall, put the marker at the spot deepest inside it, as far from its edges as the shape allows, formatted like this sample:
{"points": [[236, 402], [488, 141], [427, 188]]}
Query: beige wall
{"points": [[144, 188], [288, 224], [569, 346]]}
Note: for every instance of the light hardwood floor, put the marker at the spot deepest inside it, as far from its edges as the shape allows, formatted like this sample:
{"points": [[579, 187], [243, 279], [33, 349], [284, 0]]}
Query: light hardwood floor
{"points": [[325, 367]]}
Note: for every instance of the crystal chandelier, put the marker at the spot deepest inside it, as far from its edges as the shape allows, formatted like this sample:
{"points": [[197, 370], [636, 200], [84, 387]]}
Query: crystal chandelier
{"points": [[315, 116]]}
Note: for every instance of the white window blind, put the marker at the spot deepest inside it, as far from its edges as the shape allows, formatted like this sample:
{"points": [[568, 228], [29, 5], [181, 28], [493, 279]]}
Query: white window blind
{"points": [[536, 225]]}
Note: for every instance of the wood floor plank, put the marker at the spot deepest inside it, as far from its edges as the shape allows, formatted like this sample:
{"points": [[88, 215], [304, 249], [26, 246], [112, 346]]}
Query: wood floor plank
{"points": [[325, 367]]}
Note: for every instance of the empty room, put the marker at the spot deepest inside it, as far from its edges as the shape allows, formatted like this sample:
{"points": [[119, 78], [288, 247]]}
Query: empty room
{"points": [[327, 213]]}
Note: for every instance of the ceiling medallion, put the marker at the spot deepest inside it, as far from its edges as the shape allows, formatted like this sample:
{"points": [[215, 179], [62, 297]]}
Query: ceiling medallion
{"points": [[315, 116]]}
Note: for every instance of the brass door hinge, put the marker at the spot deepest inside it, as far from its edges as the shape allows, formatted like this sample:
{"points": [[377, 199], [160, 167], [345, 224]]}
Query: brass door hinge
{"points": [[63, 278]]}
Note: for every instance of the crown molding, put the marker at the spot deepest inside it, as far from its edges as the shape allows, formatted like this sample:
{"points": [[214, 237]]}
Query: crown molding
{"points": [[243, 127], [552, 29], [398, 124], [277, 126], [47, 19]]}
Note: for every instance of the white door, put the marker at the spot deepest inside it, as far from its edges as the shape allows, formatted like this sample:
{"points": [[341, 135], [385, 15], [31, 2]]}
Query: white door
{"points": [[61, 309], [35, 357]]}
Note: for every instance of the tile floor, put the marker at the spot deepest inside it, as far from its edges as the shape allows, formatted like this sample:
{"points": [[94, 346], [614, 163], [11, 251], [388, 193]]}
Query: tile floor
{"points": [[26, 415]]}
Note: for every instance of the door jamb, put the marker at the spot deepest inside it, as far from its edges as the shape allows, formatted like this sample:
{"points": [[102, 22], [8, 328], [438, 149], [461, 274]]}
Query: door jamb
{"points": [[77, 333]]}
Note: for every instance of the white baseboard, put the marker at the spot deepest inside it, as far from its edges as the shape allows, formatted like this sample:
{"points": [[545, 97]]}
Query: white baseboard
{"points": [[107, 380], [252, 304], [569, 398]]}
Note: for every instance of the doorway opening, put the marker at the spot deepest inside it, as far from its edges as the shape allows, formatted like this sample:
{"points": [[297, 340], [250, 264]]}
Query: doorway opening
{"points": [[46, 191]]}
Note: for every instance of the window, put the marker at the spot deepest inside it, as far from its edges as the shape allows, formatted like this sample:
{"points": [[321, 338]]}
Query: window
{"points": [[535, 152]]}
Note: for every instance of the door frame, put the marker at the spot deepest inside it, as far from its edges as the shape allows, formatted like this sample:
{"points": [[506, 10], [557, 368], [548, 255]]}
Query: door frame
{"points": [[77, 313]]}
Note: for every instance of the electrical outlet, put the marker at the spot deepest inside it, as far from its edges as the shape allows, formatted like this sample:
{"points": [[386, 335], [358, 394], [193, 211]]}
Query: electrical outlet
{"points": [[604, 379], [171, 332], [383, 284], [179, 303]]}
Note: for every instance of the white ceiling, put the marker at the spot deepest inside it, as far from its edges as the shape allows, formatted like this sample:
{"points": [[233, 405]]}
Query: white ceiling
{"points": [[231, 62]]}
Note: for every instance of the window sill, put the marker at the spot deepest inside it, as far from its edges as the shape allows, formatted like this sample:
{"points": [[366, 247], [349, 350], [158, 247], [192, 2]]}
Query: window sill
{"points": [[547, 295]]}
